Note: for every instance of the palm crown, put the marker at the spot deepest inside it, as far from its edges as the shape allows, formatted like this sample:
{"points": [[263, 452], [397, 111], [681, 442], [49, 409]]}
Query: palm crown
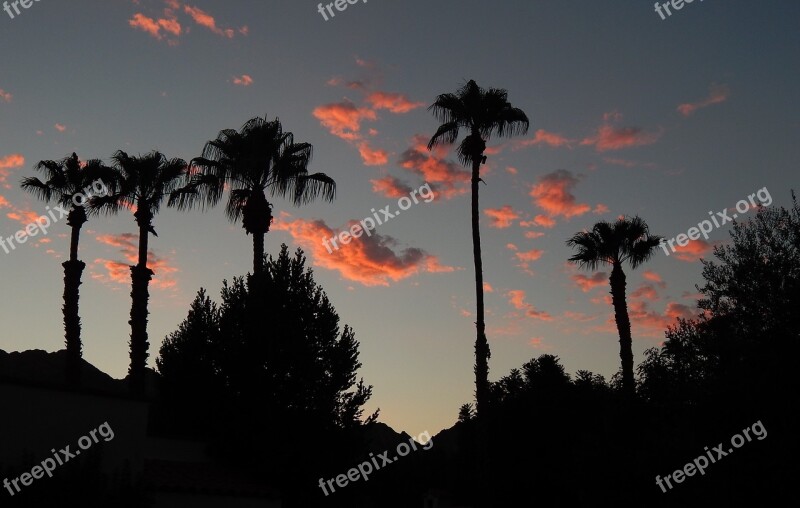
{"points": [[483, 112], [627, 239]]}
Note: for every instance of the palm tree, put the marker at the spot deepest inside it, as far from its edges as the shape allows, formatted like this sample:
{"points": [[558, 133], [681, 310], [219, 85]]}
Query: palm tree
{"points": [[483, 113], [258, 157], [627, 239], [141, 183], [68, 183]]}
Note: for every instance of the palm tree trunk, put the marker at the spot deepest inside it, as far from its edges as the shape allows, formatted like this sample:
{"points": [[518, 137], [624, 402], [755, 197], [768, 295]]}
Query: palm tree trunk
{"points": [[618, 285], [73, 268], [258, 252], [482, 352], [140, 279]]}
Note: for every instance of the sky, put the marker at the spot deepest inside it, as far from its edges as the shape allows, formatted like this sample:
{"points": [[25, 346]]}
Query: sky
{"points": [[630, 114]]}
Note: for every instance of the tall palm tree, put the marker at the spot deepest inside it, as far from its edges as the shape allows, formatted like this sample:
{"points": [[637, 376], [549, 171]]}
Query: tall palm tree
{"points": [[483, 113], [141, 183], [67, 183], [627, 239], [260, 156]]}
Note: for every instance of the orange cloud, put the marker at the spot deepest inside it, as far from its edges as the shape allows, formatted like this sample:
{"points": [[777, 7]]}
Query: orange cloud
{"points": [[372, 157], [542, 137], [343, 119], [645, 291], [516, 298], [119, 272], [531, 255], [553, 194], [511, 170], [205, 19], [394, 102], [652, 323], [60, 128], [613, 138], [5, 96], [153, 26], [587, 283], [368, 260], [693, 250], [488, 287], [652, 276], [243, 80], [14, 160], [445, 176], [390, 187], [717, 94], [501, 217]]}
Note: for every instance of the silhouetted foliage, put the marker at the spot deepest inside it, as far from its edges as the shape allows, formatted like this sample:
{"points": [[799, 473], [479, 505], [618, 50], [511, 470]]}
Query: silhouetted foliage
{"points": [[292, 394]]}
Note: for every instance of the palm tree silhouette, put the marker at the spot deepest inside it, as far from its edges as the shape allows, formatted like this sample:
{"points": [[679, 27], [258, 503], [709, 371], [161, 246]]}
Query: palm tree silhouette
{"points": [[258, 157], [483, 113], [141, 183], [66, 180], [627, 239]]}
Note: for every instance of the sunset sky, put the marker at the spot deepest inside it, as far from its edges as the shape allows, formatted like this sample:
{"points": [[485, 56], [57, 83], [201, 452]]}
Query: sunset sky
{"points": [[630, 114]]}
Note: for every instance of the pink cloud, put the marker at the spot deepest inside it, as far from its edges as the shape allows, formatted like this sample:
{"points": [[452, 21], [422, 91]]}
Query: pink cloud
{"points": [[501, 217], [372, 156], [516, 298], [542, 137], [368, 260], [343, 119], [390, 187], [5, 96], [717, 95], [394, 102], [587, 283], [243, 80], [553, 194]]}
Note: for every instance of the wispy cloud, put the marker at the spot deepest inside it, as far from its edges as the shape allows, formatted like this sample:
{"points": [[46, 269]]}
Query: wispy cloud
{"points": [[717, 95]]}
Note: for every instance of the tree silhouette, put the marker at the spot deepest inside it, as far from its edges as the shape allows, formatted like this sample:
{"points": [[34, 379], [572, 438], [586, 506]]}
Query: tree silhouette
{"points": [[222, 378], [69, 183], [258, 157], [483, 113], [627, 239], [141, 183]]}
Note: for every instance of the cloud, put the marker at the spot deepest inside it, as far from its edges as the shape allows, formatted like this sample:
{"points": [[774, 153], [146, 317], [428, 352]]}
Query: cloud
{"points": [[243, 80], [531, 255], [646, 291], [717, 95], [119, 271], [343, 119], [390, 187], [501, 217], [446, 177], [516, 298], [533, 234], [542, 137], [652, 323], [394, 102], [553, 194], [372, 156], [488, 287], [154, 27], [5, 96], [369, 260], [693, 250], [652, 276], [60, 128], [14, 160], [587, 283], [206, 20], [616, 138]]}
